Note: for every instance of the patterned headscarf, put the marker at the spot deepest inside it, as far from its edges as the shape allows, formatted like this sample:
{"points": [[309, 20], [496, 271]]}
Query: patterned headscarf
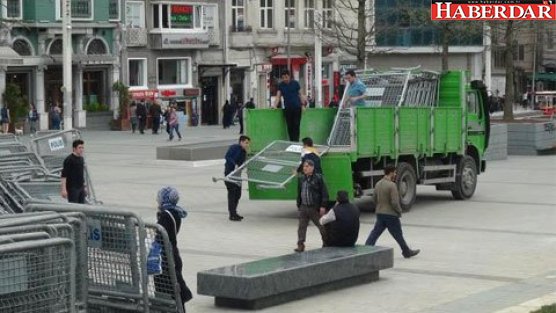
{"points": [[168, 198]]}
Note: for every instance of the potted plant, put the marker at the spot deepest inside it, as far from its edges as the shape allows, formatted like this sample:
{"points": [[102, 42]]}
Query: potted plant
{"points": [[17, 106], [122, 121]]}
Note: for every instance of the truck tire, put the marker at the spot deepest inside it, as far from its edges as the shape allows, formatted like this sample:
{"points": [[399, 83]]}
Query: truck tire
{"points": [[406, 180], [466, 178]]}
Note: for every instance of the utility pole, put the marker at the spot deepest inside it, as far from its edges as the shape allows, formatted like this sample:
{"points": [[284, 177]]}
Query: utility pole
{"points": [[67, 86], [318, 54]]}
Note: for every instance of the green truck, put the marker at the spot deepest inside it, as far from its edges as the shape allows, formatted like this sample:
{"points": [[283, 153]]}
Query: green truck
{"points": [[434, 127]]}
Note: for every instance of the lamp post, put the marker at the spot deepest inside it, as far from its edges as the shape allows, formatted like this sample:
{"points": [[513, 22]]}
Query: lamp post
{"points": [[67, 84], [318, 54], [289, 46]]}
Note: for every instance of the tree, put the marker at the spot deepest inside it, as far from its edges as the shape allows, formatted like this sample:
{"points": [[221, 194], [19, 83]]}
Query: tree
{"points": [[16, 103]]}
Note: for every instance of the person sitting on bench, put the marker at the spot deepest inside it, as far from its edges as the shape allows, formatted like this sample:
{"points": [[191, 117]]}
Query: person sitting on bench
{"points": [[341, 223]]}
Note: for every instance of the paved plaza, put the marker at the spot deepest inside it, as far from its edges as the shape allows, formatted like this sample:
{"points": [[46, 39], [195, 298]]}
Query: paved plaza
{"points": [[492, 252]]}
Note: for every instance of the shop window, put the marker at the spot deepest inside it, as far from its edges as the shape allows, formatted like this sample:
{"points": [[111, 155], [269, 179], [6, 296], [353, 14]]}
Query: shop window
{"points": [[22, 47], [289, 17], [12, 9], [238, 15], [309, 14], [177, 16], [174, 71], [266, 14], [96, 46], [137, 73], [135, 14], [114, 10]]}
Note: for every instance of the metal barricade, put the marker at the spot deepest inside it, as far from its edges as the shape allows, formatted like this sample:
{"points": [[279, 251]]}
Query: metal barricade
{"points": [[8, 139], [37, 276], [12, 148], [116, 253]]}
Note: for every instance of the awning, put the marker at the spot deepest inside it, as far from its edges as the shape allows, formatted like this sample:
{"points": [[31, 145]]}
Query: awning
{"points": [[217, 65], [282, 59], [9, 57], [544, 76], [204, 67]]}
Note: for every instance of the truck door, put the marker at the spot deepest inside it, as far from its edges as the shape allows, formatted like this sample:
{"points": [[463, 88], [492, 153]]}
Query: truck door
{"points": [[476, 127]]}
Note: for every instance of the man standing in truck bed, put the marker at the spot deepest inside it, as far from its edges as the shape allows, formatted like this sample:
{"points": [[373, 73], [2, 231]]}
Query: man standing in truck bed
{"points": [[291, 91]]}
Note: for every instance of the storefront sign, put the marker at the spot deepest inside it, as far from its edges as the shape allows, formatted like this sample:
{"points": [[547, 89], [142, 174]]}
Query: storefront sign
{"points": [[181, 16], [168, 93], [191, 92], [144, 94], [185, 41]]}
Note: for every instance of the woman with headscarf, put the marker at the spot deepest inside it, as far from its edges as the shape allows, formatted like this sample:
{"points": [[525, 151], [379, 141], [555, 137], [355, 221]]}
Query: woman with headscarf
{"points": [[169, 216]]}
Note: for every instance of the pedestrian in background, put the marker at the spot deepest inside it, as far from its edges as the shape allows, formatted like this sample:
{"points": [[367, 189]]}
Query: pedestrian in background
{"points": [[5, 118], [32, 117], [235, 156], [141, 112], [250, 104], [341, 223], [388, 212], [240, 117], [133, 116], [173, 122], [156, 112], [170, 217], [312, 198], [55, 115], [73, 174], [226, 114], [290, 90]]}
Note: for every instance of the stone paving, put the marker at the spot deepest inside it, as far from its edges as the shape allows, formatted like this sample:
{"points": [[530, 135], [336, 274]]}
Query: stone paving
{"points": [[492, 253]]}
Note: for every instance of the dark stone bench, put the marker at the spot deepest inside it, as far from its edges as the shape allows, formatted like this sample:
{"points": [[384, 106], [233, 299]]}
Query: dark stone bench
{"points": [[268, 282], [194, 152]]}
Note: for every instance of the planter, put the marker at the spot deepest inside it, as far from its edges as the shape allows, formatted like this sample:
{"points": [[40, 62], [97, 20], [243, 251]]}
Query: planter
{"points": [[532, 137], [120, 124], [99, 120]]}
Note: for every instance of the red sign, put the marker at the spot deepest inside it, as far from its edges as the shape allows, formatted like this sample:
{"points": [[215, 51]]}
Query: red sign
{"points": [[182, 9], [168, 92], [493, 10], [191, 92], [143, 94]]}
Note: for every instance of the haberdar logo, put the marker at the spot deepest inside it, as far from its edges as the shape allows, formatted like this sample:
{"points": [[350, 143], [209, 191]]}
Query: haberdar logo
{"points": [[492, 10]]}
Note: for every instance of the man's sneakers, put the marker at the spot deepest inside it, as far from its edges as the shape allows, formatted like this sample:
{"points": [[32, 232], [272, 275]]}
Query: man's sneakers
{"points": [[236, 218], [411, 253]]}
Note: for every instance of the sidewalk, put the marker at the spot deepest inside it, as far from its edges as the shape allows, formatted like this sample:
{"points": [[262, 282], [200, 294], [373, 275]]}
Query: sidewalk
{"points": [[495, 251]]}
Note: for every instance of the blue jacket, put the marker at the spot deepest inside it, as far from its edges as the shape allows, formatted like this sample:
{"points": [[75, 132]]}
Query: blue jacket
{"points": [[234, 157]]}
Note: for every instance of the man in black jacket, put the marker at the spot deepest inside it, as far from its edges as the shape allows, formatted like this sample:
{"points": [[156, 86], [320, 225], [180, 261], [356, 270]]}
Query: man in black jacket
{"points": [[141, 112], [341, 222], [312, 196], [235, 156]]}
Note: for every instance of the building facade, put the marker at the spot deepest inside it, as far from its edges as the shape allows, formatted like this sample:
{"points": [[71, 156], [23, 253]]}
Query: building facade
{"points": [[36, 35]]}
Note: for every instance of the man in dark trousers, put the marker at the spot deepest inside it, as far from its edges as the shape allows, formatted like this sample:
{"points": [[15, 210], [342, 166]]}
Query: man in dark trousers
{"points": [[341, 223], [141, 112], [156, 112], [291, 91], [312, 197], [234, 158], [388, 212], [73, 174]]}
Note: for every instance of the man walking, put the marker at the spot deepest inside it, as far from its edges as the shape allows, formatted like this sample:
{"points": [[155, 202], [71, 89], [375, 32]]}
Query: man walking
{"points": [[388, 212], [291, 91], [341, 223], [156, 112], [234, 158], [312, 198], [141, 112], [73, 174], [356, 91]]}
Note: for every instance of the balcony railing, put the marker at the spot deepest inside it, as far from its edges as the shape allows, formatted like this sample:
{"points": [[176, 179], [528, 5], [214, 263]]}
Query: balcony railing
{"points": [[136, 37]]}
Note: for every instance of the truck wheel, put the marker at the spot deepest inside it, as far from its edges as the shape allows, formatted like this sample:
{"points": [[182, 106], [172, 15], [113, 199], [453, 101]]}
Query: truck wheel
{"points": [[406, 180], [466, 179]]}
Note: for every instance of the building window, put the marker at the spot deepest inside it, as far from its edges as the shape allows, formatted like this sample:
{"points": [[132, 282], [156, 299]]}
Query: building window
{"points": [[137, 76], [519, 52], [174, 71], [177, 16], [96, 46], [309, 14], [56, 47], [80, 9], [114, 10], [266, 14], [238, 15], [289, 20], [327, 14], [12, 9], [135, 14], [499, 59], [22, 47]]}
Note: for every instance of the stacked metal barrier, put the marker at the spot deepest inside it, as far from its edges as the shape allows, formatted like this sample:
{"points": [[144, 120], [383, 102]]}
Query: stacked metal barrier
{"points": [[40, 246]]}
